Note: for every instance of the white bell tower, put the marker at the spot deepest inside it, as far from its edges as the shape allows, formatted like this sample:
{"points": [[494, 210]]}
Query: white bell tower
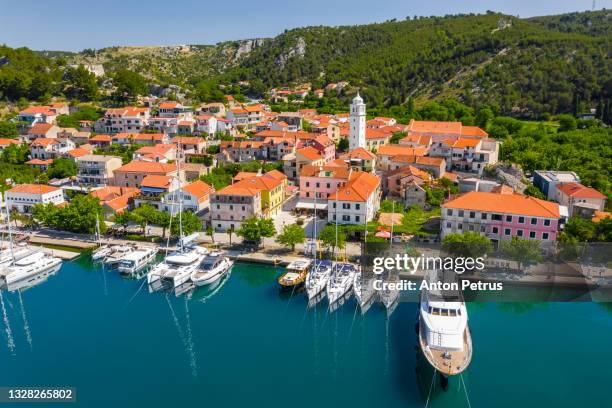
{"points": [[357, 122]]}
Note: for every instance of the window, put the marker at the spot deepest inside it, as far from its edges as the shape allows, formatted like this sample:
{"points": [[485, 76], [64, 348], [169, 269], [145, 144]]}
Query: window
{"points": [[507, 231], [328, 185], [496, 217], [472, 214], [346, 206], [449, 225], [483, 216], [334, 205], [357, 206], [519, 233], [460, 226], [495, 230], [449, 212], [307, 194], [231, 207], [243, 208], [534, 221], [307, 184], [346, 218], [334, 217], [532, 234], [471, 227], [482, 228], [318, 185], [521, 220], [508, 218], [545, 235], [547, 223], [356, 218], [461, 213]]}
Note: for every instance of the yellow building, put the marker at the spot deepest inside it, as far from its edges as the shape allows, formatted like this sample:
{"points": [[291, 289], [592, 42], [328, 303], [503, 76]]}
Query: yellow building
{"points": [[272, 187]]}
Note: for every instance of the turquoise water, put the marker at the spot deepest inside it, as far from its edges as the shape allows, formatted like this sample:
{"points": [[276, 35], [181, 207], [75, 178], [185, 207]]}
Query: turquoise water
{"points": [[248, 345]]}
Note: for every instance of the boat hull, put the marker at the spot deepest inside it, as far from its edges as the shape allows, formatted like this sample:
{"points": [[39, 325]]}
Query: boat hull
{"points": [[455, 363]]}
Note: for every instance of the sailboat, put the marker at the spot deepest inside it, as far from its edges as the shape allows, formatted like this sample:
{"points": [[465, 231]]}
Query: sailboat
{"points": [[390, 297], [320, 272], [103, 250], [444, 334], [341, 281], [363, 289], [178, 266], [28, 266]]}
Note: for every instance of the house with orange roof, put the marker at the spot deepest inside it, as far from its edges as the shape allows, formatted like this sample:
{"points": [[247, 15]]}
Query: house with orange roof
{"points": [[150, 139], [233, 204], [133, 173], [395, 182], [80, 137], [356, 201], [244, 150], [386, 153], [23, 197], [37, 114], [115, 199], [101, 140], [293, 120], [246, 117], [40, 130], [5, 142], [294, 162], [272, 190], [77, 152], [195, 197], [318, 182], [501, 215], [42, 165], [45, 148], [579, 199], [466, 154], [360, 159], [186, 126], [189, 144], [416, 141], [172, 109], [130, 119], [154, 188], [97, 170], [206, 125], [157, 153]]}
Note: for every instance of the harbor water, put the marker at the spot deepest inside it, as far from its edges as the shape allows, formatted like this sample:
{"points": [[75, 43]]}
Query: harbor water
{"points": [[244, 343]]}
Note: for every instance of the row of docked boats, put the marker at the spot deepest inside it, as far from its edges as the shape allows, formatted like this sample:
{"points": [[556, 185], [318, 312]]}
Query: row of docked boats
{"points": [[189, 264], [337, 281]]}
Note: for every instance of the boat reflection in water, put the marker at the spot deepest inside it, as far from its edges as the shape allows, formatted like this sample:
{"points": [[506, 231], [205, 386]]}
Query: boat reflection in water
{"points": [[32, 280]]}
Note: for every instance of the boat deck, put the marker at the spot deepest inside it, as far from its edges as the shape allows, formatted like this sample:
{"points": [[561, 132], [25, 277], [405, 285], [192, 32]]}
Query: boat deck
{"points": [[445, 361]]}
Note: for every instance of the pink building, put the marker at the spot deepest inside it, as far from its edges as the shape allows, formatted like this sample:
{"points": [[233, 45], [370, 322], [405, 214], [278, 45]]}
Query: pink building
{"points": [[501, 215], [322, 180]]}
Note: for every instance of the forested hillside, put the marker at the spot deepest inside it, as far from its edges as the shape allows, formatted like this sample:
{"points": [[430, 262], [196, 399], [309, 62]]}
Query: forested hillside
{"points": [[520, 67]]}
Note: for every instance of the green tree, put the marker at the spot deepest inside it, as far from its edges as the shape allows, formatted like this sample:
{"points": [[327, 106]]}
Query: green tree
{"points": [[469, 244], [81, 84], [123, 218], [129, 84], [144, 215], [343, 144], [8, 130], [291, 235], [62, 167], [523, 251], [328, 238], [484, 117], [15, 154], [566, 123], [578, 229], [533, 191], [210, 231], [191, 223], [253, 229]]}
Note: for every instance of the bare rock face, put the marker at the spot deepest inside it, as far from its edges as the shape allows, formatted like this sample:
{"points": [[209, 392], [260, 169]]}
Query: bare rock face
{"points": [[298, 50], [247, 46]]}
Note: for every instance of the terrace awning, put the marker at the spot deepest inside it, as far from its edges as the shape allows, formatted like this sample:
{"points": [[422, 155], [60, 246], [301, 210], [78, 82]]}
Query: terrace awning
{"points": [[310, 205]]}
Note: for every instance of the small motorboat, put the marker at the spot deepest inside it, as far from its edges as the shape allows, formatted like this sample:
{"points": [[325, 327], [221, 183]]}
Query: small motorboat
{"points": [[118, 252], [211, 269], [136, 260], [102, 252], [295, 274]]}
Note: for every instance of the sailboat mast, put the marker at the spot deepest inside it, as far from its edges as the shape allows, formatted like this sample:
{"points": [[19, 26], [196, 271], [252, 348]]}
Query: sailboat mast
{"points": [[314, 234], [392, 214], [10, 232], [178, 167]]}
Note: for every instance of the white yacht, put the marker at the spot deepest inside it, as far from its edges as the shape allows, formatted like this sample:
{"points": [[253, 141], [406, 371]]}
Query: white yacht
{"points": [[101, 253], [211, 269], [21, 251], [444, 334], [364, 292], [318, 278], [136, 260], [389, 297], [30, 266], [340, 282], [118, 252], [178, 266]]}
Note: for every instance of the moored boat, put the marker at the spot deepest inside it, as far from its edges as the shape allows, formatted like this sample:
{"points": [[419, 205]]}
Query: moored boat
{"points": [[340, 282], [318, 278], [177, 267], [136, 260], [363, 289], [444, 334], [295, 274], [30, 266], [211, 269], [118, 252], [101, 252]]}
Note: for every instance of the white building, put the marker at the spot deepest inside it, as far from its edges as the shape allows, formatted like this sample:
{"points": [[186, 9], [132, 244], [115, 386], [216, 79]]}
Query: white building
{"points": [[357, 119], [25, 196], [357, 201]]}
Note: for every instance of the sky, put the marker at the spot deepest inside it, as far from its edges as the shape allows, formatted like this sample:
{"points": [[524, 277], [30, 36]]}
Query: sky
{"points": [[73, 25]]}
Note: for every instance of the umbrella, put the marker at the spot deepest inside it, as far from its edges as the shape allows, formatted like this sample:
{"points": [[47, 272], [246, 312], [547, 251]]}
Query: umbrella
{"points": [[383, 234]]}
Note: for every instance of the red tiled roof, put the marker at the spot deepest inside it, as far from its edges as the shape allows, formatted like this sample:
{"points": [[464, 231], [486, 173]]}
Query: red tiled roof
{"points": [[137, 166], [577, 190], [505, 204], [33, 189]]}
